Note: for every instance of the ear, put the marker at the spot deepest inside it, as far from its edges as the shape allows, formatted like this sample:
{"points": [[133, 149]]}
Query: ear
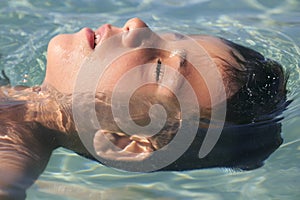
{"points": [[23, 157]]}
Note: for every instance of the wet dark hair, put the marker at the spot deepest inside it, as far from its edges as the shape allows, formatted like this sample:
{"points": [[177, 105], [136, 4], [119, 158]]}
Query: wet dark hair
{"points": [[262, 87]]}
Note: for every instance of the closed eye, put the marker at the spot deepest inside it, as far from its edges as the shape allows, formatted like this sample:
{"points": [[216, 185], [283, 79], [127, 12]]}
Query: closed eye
{"points": [[158, 70]]}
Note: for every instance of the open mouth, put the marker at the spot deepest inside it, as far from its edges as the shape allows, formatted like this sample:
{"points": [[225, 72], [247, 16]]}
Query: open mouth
{"points": [[97, 39], [100, 34]]}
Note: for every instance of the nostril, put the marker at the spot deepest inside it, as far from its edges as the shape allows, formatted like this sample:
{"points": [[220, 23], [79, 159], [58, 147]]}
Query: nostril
{"points": [[126, 29], [133, 24], [137, 33]]}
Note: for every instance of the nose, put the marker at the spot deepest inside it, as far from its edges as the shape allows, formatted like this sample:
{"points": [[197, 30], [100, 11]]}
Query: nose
{"points": [[136, 33], [134, 23]]}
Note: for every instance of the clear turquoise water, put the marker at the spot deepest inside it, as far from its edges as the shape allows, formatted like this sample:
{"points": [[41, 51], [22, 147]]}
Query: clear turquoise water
{"points": [[270, 26]]}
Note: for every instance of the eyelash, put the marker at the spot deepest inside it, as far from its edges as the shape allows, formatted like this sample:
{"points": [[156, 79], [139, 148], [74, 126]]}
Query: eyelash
{"points": [[158, 70]]}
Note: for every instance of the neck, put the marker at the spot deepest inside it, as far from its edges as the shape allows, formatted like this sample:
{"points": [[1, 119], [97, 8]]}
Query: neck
{"points": [[47, 107]]}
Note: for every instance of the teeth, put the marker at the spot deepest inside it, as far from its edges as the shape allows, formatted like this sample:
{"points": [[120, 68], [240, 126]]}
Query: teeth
{"points": [[97, 39]]}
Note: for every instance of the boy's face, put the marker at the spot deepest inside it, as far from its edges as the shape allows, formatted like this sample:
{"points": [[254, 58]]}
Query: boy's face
{"points": [[169, 69]]}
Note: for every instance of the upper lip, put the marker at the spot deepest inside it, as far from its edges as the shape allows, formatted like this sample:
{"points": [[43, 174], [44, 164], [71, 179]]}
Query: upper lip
{"points": [[96, 37], [100, 34]]}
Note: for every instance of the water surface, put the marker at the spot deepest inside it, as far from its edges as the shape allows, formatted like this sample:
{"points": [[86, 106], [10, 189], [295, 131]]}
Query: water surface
{"points": [[271, 27]]}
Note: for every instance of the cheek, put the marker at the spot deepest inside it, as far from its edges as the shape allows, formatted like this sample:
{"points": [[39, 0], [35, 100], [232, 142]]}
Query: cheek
{"points": [[57, 51], [65, 50], [116, 71], [64, 57], [110, 77]]}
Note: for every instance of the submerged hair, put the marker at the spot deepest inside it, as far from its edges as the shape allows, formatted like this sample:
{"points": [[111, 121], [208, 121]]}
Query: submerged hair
{"points": [[262, 87]]}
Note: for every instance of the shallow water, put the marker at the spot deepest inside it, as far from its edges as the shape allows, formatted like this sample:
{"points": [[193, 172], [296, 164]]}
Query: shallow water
{"points": [[272, 27]]}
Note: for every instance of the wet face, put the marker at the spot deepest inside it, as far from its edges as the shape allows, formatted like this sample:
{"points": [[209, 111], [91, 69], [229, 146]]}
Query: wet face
{"points": [[67, 53]]}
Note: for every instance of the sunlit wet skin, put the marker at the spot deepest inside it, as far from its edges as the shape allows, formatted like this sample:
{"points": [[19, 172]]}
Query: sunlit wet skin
{"points": [[25, 145]]}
